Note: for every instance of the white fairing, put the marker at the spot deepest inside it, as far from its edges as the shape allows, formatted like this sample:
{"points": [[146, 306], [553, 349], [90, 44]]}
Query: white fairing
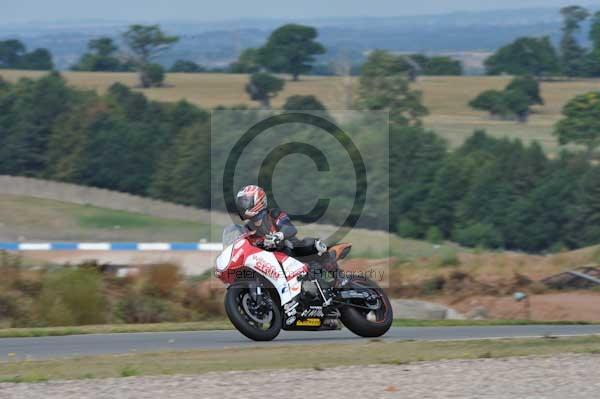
{"points": [[267, 265], [224, 258]]}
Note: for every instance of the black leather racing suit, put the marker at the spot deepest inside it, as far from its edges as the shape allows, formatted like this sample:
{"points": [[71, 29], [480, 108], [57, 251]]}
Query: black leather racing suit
{"points": [[275, 220]]}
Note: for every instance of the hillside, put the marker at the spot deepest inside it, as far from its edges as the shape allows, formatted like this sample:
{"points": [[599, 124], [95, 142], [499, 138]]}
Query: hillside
{"points": [[35, 219], [445, 97], [40, 210]]}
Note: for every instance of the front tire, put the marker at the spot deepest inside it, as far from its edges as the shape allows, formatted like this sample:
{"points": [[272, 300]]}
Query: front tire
{"points": [[358, 320], [239, 309]]}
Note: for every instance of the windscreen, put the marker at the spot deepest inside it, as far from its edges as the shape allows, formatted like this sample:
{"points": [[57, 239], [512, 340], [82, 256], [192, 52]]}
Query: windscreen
{"points": [[231, 234]]}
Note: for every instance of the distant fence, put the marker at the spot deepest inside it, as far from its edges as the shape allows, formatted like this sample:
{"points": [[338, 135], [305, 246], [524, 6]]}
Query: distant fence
{"points": [[110, 246], [82, 195]]}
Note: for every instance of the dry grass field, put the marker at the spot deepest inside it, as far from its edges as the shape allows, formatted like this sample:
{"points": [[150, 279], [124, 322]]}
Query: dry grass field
{"points": [[446, 98]]}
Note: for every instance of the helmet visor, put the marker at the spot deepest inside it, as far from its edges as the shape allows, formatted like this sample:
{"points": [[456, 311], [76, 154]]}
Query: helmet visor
{"points": [[244, 203]]}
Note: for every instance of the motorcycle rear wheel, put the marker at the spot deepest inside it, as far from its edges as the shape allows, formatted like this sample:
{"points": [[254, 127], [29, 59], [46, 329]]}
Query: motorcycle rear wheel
{"points": [[253, 326], [357, 320]]}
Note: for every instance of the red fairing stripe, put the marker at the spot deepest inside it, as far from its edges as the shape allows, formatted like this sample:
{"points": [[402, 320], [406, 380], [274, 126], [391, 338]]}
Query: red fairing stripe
{"points": [[280, 256], [241, 250], [298, 272]]}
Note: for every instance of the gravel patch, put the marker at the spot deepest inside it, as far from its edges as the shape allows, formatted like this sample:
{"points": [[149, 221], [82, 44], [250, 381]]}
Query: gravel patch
{"points": [[557, 377]]}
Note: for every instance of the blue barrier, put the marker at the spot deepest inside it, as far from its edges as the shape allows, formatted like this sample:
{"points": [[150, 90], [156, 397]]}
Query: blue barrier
{"points": [[110, 246]]}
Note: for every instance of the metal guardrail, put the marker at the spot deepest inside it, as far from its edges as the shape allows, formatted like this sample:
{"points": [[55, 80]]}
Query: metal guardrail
{"points": [[584, 276], [110, 246]]}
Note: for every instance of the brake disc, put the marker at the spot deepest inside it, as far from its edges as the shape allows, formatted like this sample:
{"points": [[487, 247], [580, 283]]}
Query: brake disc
{"points": [[251, 311]]}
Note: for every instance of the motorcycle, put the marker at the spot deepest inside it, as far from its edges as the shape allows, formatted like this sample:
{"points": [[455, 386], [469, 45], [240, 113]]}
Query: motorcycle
{"points": [[270, 290]]}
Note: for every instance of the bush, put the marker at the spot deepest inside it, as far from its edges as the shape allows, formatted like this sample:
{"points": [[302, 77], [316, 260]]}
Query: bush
{"points": [[596, 255], [491, 101], [72, 297], [263, 86], [152, 75], [142, 309], [513, 101], [135, 308], [407, 228], [449, 258], [303, 103], [538, 288], [529, 86], [162, 280], [433, 285], [59, 314], [434, 235], [9, 305], [479, 235], [184, 66], [206, 302]]}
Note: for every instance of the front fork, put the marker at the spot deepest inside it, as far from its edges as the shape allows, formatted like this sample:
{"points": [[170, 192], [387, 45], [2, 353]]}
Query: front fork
{"points": [[256, 291]]}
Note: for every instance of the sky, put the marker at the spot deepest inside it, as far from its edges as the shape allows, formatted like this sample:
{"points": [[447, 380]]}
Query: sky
{"points": [[18, 11]]}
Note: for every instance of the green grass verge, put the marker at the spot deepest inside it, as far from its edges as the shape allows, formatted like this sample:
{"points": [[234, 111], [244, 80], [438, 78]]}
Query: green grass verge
{"points": [[224, 324], [482, 323], [101, 218], [290, 356], [220, 324]]}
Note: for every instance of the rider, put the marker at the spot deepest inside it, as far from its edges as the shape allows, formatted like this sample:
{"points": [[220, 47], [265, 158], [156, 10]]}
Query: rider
{"points": [[273, 230], [272, 226]]}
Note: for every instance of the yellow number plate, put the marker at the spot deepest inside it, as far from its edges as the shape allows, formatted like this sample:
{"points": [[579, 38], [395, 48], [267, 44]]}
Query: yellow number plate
{"points": [[309, 323]]}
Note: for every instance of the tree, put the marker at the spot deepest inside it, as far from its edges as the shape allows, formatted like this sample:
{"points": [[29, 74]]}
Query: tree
{"points": [[529, 86], [152, 75], [184, 66], [384, 63], [263, 86], [595, 31], [437, 65], [182, 174], [514, 101], [415, 157], [27, 114], [584, 213], [303, 103], [581, 122], [101, 57], [147, 42], [594, 55], [247, 62], [572, 54], [441, 65], [448, 188], [491, 101], [517, 102], [384, 86], [38, 60], [524, 56], [538, 219], [103, 46], [13, 55], [11, 52], [291, 49]]}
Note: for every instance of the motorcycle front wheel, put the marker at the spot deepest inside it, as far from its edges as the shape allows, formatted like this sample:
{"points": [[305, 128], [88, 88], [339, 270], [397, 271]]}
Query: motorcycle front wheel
{"points": [[257, 321], [367, 319]]}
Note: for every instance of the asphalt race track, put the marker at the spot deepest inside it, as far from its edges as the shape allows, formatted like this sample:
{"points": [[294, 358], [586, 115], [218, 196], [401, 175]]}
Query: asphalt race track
{"points": [[101, 344]]}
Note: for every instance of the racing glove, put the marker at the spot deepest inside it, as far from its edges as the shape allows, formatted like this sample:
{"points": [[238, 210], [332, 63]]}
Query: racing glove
{"points": [[321, 247], [273, 240]]}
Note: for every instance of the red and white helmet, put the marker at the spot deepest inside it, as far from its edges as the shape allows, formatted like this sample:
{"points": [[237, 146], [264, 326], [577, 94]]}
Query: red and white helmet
{"points": [[250, 201]]}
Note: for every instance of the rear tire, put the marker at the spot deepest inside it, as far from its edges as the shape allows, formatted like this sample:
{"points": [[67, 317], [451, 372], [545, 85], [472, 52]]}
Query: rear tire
{"points": [[355, 319], [244, 322]]}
